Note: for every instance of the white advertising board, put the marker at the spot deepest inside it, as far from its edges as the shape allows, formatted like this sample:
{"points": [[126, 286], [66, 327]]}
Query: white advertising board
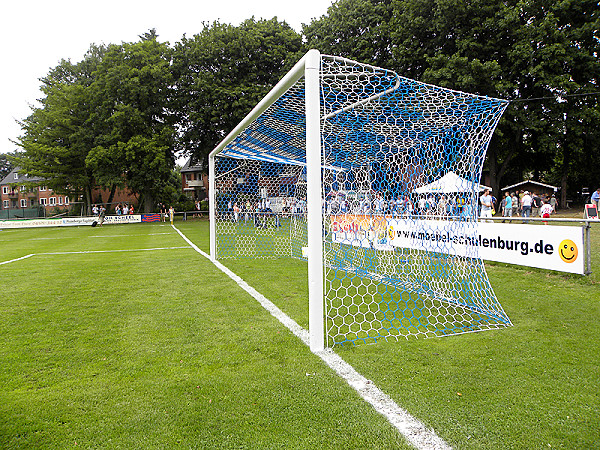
{"points": [[551, 247], [69, 221]]}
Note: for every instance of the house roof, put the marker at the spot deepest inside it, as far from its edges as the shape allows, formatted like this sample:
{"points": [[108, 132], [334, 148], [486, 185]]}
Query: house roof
{"points": [[21, 177], [537, 183], [192, 165]]}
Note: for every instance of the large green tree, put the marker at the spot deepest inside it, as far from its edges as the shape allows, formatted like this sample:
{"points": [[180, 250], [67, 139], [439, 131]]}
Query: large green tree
{"points": [[134, 145], [518, 49], [223, 72], [57, 136]]}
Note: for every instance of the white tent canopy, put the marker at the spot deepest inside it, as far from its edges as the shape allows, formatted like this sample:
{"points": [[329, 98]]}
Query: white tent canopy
{"points": [[448, 184]]}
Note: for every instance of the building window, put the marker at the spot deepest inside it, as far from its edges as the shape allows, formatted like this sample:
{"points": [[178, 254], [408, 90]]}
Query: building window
{"points": [[16, 176], [6, 204], [23, 203], [66, 200], [43, 201], [60, 200], [5, 189], [32, 203], [52, 201], [42, 188]]}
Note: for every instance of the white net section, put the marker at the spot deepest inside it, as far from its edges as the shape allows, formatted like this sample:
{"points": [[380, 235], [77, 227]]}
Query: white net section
{"points": [[400, 170]]}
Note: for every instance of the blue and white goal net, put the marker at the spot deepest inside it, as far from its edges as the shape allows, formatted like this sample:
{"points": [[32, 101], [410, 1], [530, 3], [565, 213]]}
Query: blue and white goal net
{"points": [[400, 163]]}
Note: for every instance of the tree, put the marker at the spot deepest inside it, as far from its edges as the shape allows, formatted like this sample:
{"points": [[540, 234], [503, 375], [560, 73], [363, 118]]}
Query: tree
{"points": [[134, 144], [57, 136], [517, 50], [222, 73], [6, 164]]}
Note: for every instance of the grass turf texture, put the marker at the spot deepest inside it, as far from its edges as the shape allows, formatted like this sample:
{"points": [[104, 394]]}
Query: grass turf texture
{"points": [[157, 349], [534, 385]]}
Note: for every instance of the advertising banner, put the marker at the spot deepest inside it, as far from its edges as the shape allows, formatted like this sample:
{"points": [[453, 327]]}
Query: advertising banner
{"points": [[361, 231], [558, 248], [69, 221]]}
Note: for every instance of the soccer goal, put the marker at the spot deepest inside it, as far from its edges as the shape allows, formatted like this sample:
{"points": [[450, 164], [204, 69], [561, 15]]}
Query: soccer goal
{"points": [[373, 179]]}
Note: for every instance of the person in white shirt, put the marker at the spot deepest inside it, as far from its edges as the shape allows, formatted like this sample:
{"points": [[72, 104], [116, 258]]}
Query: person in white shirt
{"points": [[546, 210], [526, 201], [486, 205]]}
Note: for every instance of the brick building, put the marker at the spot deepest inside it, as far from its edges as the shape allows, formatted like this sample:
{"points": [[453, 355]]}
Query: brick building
{"points": [[21, 192], [194, 180]]}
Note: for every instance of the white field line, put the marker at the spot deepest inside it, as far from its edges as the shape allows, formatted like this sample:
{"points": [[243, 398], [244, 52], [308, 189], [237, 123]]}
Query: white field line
{"points": [[93, 251], [411, 428], [17, 259]]}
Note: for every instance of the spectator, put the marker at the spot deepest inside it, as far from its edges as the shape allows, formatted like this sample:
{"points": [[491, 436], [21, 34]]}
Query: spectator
{"points": [[526, 201], [536, 204], [515, 204], [553, 202], [546, 210], [486, 205], [507, 209], [596, 198], [102, 214]]}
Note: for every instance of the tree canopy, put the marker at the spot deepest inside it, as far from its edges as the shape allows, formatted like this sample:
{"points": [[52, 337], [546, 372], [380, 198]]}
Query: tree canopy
{"points": [[121, 115], [540, 55]]}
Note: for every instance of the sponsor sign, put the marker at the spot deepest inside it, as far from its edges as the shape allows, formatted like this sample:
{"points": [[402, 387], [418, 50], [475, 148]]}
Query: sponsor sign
{"points": [[544, 246], [361, 231], [69, 221], [128, 218], [34, 223], [150, 217]]}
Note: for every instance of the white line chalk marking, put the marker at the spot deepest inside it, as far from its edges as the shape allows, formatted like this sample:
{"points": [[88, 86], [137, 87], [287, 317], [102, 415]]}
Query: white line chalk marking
{"points": [[92, 251]]}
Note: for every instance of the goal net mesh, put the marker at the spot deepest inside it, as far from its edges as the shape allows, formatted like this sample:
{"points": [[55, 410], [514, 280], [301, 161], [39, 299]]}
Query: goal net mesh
{"points": [[401, 163]]}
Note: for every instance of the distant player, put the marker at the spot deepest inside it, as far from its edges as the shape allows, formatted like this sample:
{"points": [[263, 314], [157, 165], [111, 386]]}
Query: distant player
{"points": [[171, 214]]}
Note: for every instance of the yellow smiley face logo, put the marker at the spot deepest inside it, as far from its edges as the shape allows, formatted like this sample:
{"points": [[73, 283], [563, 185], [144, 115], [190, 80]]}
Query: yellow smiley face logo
{"points": [[567, 251]]}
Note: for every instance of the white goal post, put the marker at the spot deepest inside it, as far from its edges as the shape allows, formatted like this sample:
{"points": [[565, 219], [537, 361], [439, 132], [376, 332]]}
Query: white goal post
{"points": [[333, 166]]}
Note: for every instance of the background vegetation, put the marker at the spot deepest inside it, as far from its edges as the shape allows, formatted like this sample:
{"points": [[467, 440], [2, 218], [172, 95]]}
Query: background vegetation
{"points": [[122, 114]]}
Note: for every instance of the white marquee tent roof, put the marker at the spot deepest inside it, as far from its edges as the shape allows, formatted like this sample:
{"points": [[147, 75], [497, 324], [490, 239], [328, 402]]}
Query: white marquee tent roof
{"points": [[448, 184]]}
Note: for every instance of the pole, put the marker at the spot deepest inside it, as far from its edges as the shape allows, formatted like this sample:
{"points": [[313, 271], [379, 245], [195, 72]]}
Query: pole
{"points": [[314, 195], [212, 208]]}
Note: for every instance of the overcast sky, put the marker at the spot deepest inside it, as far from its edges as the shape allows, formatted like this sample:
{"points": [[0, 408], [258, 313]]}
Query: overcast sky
{"points": [[36, 35]]}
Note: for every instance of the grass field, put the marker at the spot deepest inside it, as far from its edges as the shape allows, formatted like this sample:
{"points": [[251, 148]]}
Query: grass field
{"points": [[132, 348]]}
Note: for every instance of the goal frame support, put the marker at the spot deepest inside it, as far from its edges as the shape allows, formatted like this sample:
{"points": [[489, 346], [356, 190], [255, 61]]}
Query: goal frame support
{"points": [[309, 68]]}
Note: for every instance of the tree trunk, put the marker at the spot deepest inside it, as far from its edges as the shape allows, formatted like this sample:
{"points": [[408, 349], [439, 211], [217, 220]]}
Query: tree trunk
{"points": [[87, 201], [148, 201], [113, 189]]}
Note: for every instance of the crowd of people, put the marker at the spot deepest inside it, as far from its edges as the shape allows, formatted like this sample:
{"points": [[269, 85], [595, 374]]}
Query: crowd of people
{"points": [[519, 203], [119, 209]]}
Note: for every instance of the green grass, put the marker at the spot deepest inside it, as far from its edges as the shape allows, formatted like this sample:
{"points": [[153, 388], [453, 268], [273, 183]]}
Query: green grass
{"points": [[159, 349], [533, 385], [156, 350]]}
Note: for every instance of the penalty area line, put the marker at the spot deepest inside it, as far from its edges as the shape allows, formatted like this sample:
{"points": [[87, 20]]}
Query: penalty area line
{"points": [[411, 428], [93, 251]]}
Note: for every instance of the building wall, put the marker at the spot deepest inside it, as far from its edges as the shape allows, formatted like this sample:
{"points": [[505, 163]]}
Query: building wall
{"points": [[195, 185]]}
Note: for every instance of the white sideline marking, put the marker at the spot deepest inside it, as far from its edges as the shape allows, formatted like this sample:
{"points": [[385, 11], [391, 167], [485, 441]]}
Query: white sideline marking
{"points": [[127, 235], [110, 251], [92, 251], [410, 427], [17, 259]]}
